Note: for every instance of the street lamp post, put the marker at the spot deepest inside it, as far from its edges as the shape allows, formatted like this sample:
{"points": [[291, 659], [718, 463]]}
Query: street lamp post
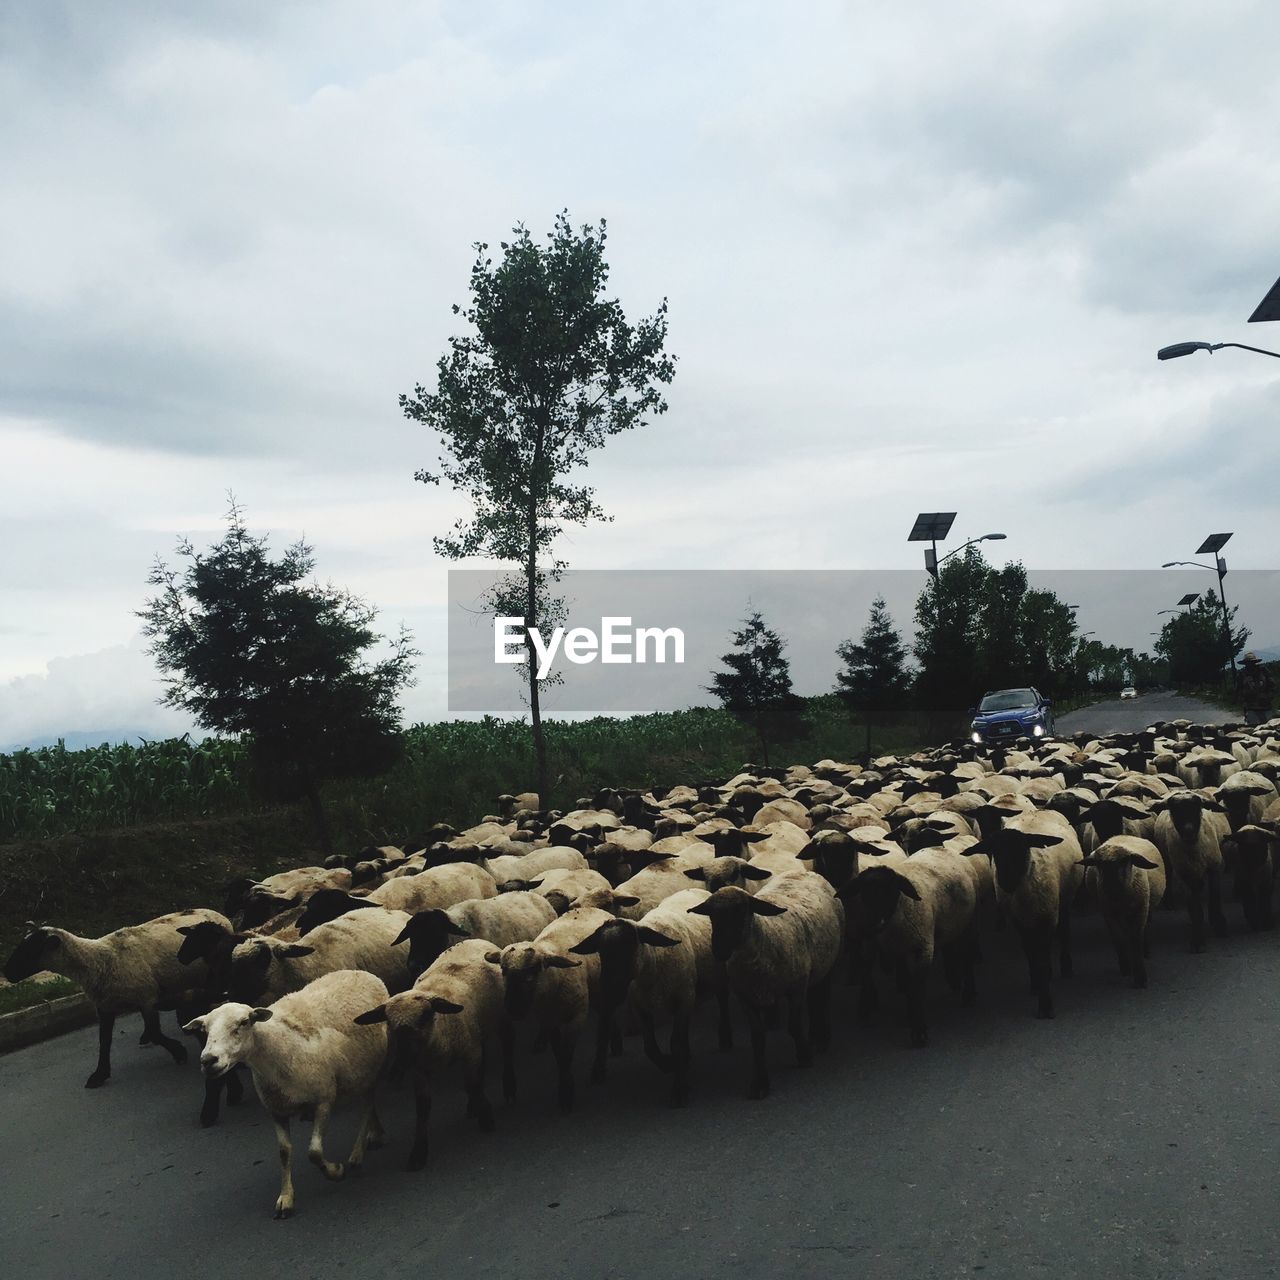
{"points": [[1188, 348], [1213, 545], [932, 527]]}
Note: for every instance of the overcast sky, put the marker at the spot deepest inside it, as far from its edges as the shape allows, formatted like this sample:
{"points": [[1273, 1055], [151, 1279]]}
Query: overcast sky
{"points": [[915, 260]]}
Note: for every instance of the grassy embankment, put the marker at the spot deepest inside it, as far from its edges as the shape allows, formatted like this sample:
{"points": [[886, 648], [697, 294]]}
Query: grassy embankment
{"points": [[94, 839]]}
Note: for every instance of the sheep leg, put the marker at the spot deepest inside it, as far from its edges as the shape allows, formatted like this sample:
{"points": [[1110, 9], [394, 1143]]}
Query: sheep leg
{"points": [[421, 1122], [478, 1105], [798, 1026], [615, 1041], [102, 1072], [681, 1055], [151, 1034], [970, 952], [759, 1071], [652, 1049], [1139, 959], [562, 1043], [369, 1126], [284, 1202], [868, 995], [508, 1036], [1216, 917], [820, 1014], [213, 1087], [916, 986], [725, 1028], [604, 1034], [235, 1086], [1066, 966], [1195, 910], [315, 1151], [1043, 945]]}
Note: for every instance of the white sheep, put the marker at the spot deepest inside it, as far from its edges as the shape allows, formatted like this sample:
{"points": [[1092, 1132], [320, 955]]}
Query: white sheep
{"points": [[510, 917], [563, 887], [779, 946], [1190, 841], [660, 966], [1127, 875], [133, 968], [450, 1017], [307, 1055], [544, 980], [529, 866]]}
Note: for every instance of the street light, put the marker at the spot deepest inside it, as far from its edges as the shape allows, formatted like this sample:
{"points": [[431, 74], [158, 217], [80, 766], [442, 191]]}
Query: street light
{"points": [[986, 537], [1212, 546], [1188, 348]]}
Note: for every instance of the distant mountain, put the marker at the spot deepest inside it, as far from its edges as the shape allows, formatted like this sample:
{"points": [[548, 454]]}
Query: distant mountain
{"points": [[1267, 655], [80, 739]]}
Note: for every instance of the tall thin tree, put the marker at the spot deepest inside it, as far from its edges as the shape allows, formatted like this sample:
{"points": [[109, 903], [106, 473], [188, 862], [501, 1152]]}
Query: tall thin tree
{"points": [[875, 680], [549, 370]]}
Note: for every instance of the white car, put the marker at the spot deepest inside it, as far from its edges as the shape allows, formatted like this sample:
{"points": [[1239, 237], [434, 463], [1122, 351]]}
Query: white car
{"points": [[1128, 692]]}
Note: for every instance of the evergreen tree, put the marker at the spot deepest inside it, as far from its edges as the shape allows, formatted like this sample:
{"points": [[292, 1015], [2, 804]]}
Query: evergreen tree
{"points": [[875, 681], [757, 687]]}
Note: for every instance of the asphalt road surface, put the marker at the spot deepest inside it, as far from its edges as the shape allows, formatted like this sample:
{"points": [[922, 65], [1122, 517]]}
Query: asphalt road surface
{"points": [[1130, 714], [1135, 1135]]}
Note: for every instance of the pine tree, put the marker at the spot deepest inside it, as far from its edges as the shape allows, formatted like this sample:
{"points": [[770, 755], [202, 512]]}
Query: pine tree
{"points": [[875, 680], [757, 687]]}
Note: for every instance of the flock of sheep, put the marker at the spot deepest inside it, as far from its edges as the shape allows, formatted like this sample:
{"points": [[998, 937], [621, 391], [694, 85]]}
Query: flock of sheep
{"points": [[622, 916]]}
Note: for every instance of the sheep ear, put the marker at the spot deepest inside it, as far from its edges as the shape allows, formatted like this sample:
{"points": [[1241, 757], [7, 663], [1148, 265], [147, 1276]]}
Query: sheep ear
{"points": [[1090, 861], [185, 929], [1137, 860], [260, 1015], [493, 957], [589, 946], [1215, 805], [404, 934], [1036, 841], [1255, 790], [654, 938], [625, 900], [755, 873], [195, 1027], [696, 873], [907, 889], [980, 847], [440, 1005], [295, 950], [460, 929], [766, 908], [702, 909], [373, 1015], [560, 962]]}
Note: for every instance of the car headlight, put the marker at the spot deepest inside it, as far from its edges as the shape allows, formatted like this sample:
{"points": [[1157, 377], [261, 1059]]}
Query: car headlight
{"points": [[1037, 731], [976, 736]]}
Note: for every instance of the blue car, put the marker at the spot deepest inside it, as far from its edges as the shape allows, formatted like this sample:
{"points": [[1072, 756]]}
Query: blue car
{"points": [[1006, 714]]}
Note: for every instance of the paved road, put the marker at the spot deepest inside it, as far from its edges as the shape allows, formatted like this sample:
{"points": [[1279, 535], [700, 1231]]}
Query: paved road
{"points": [[1136, 1135], [1131, 714]]}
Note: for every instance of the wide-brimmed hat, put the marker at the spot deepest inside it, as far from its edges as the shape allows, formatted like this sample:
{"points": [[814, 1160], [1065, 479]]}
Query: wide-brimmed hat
{"points": [[1251, 657]]}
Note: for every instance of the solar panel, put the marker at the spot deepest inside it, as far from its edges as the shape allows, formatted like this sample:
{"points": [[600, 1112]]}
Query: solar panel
{"points": [[931, 526], [1190, 598], [1213, 544], [1269, 307]]}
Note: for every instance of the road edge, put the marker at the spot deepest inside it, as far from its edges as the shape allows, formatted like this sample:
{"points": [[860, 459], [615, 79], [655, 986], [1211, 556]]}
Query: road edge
{"points": [[43, 1021]]}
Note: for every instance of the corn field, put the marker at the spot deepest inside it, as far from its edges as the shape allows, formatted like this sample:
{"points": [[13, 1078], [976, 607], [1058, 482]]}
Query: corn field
{"points": [[448, 771]]}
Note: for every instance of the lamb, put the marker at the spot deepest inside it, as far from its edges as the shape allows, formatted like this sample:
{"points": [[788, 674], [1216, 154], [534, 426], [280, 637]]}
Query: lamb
{"points": [[451, 1015], [662, 966], [133, 968], [562, 887], [923, 903], [1037, 862], [307, 1054], [264, 969], [1255, 872], [559, 991], [510, 917], [1128, 875], [1192, 850], [779, 945]]}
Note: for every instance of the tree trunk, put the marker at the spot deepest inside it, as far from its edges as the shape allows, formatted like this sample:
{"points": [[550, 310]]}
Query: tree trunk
{"points": [[531, 607], [312, 792]]}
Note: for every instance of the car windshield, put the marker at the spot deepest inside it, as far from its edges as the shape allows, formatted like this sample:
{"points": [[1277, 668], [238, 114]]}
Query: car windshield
{"points": [[1008, 700]]}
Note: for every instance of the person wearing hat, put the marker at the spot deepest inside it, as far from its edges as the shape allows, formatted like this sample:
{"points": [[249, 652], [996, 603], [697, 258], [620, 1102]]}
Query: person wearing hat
{"points": [[1256, 689]]}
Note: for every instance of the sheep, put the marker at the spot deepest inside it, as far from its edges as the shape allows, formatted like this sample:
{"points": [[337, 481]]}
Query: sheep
{"points": [[545, 981], [256, 901], [1191, 844], [661, 965], [132, 968], [264, 969], [923, 903], [530, 865], [510, 917], [1245, 796], [1127, 873], [1036, 858], [663, 876], [1255, 872], [306, 1054], [451, 1015], [562, 887], [779, 945]]}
